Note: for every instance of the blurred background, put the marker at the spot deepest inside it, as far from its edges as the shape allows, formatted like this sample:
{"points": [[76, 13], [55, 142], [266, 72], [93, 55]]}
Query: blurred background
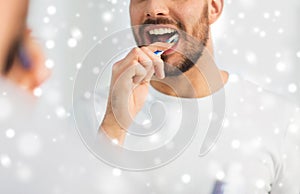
{"points": [[256, 39]]}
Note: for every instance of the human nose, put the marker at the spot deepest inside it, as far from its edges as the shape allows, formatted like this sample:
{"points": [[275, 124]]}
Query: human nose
{"points": [[156, 8]]}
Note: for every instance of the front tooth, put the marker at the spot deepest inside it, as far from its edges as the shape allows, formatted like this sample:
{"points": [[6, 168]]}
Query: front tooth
{"points": [[161, 31]]}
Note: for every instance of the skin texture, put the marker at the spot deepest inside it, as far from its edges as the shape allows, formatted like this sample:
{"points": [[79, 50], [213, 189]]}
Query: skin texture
{"points": [[14, 35], [131, 75]]}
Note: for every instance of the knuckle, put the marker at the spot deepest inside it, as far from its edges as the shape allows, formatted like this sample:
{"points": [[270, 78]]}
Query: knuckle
{"points": [[115, 67], [137, 66], [148, 63], [140, 68], [145, 49], [136, 51], [118, 65]]}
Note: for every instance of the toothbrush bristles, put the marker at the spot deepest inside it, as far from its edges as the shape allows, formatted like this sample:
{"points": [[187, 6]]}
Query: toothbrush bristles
{"points": [[173, 39]]}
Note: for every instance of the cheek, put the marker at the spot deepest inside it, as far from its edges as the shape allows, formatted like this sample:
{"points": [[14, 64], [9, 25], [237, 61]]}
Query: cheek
{"points": [[136, 15], [132, 14], [134, 20], [191, 12], [189, 16]]}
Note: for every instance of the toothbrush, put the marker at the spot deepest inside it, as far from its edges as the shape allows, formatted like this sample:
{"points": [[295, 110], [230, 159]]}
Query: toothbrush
{"points": [[23, 56], [219, 187], [172, 39], [19, 51]]}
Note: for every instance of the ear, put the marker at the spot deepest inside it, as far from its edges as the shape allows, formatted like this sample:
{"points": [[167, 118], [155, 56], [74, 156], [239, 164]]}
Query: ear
{"points": [[215, 8]]}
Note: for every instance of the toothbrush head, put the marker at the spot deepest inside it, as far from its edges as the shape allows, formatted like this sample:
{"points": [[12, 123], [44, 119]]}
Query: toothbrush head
{"points": [[173, 39]]}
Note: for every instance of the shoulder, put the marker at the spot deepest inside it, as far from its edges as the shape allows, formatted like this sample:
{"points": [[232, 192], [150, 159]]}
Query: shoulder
{"points": [[259, 117]]}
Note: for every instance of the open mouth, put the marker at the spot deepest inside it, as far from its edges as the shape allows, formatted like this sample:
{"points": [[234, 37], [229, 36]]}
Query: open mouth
{"points": [[161, 34]]}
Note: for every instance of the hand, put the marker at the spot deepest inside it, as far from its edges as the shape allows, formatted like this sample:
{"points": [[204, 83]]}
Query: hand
{"points": [[129, 87], [33, 76]]}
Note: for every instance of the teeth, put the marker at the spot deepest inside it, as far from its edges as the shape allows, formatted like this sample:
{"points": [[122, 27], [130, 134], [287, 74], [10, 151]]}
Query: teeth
{"points": [[161, 31]]}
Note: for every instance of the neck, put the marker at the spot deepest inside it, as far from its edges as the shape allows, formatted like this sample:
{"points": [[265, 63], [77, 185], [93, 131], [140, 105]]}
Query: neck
{"points": [[203, 79]]}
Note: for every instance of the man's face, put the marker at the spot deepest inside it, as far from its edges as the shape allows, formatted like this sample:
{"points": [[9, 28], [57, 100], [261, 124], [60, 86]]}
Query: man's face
{"points": [[158, 20]]}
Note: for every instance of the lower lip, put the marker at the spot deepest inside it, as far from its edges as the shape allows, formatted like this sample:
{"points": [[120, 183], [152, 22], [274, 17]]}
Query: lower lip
{"points": [[171, 50]]}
